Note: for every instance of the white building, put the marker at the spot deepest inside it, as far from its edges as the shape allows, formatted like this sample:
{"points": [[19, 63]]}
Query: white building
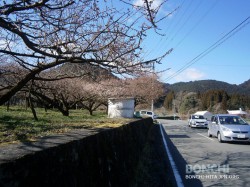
{"points": [[237, 112], [207, 115], [121, 107]]}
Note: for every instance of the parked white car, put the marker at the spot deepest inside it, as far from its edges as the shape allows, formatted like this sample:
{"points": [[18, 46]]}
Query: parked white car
{"points": [[197, 121], [227, 127], [146, 113]]}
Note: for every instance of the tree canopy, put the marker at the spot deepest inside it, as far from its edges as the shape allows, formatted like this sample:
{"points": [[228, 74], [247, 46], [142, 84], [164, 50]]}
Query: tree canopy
{"points": [[37, 35]]}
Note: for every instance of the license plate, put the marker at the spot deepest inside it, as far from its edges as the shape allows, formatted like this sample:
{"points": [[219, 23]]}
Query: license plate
{"points": [[241, 136]]}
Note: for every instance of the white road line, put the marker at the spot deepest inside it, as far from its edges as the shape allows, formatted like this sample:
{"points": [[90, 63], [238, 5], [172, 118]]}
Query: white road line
{"points": [[174, 167], [205, 136]]}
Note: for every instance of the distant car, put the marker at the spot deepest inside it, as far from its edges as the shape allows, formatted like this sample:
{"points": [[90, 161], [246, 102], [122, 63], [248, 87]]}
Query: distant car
{"points": [[197, 121], [146, 113], [227, 127]]}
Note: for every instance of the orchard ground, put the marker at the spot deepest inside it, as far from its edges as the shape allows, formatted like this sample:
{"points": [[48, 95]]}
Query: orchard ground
{"points": [[18, 125]]}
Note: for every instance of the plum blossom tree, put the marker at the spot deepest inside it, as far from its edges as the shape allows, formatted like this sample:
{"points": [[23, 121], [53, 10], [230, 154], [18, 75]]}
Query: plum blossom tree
{"points": [[37, 35]]}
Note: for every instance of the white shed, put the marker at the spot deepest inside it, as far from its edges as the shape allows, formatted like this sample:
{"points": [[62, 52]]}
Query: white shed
{"points": [[237, 112], [208, 115], [121, 107]]}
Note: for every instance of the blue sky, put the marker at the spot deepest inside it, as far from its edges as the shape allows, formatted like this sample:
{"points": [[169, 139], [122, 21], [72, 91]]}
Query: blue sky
{"points": [[191, 30]]}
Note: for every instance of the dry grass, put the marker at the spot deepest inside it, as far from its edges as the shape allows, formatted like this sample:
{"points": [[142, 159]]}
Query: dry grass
{"points": [[18, 124]]}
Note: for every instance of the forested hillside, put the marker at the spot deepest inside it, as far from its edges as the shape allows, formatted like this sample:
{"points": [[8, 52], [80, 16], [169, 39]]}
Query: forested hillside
{"points": [[245, 85], [211, 95], [205, 85]]}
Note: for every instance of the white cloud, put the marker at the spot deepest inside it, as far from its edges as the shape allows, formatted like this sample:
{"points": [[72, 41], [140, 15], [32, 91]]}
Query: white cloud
{"points": [[165, 9], [194, 74], [190, 74], [155, 3]]}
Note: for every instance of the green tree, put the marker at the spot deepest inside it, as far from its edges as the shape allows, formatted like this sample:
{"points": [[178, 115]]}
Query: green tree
{"points": [[190, 102], [224, 100], [168, 102]]}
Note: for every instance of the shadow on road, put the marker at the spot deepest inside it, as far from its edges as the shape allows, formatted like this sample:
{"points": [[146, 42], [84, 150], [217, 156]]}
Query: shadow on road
{"points": [[181, 163]]}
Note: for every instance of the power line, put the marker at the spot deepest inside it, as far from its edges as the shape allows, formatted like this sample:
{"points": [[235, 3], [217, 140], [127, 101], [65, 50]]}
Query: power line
{"points": [[186, 20], [211, 48], [181, 22], [197, 23], [173, 12]]}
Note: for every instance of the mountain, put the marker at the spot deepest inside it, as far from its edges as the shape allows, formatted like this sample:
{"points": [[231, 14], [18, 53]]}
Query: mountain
{"points": [[88, 71], [214, 96], [245, 85], [205, 85]]}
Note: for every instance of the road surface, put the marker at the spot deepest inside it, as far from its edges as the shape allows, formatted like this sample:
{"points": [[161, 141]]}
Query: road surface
{"points": [[203, 161]]}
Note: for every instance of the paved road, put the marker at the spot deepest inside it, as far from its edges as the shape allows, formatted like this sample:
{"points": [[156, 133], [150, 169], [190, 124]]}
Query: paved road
{"points": [[213, 163]]}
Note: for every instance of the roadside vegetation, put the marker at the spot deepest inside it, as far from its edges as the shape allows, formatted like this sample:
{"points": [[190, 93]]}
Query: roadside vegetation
{"points": [[215, 101], [18, 124]]}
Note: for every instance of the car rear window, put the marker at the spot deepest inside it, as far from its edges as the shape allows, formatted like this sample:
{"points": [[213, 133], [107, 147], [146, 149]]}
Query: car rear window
{"points": [[234, 120], [197, 117]]}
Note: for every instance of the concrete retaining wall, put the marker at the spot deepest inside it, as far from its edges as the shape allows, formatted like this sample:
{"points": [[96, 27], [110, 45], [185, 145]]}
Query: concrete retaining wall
{"points": [[131, 155]]}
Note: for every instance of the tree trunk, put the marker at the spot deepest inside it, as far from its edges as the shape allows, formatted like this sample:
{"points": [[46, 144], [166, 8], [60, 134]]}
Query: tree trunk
{"points": [[64, 112], [32, 108], [8, 106], [90, 112], [65, 107]]}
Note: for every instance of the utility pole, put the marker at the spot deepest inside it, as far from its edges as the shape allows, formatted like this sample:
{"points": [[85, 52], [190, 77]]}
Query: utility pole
{"points": [[152, 104], [174, 111], [153, 73]]}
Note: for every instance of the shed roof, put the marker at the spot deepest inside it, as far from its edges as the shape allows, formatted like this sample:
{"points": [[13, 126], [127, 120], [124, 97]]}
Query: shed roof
{"points": [[202, 112], [122, 98], [237, 112]]}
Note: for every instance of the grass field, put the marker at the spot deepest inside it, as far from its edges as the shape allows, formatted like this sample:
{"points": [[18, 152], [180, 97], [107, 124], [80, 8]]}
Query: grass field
{"points": [[18, 124]]}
